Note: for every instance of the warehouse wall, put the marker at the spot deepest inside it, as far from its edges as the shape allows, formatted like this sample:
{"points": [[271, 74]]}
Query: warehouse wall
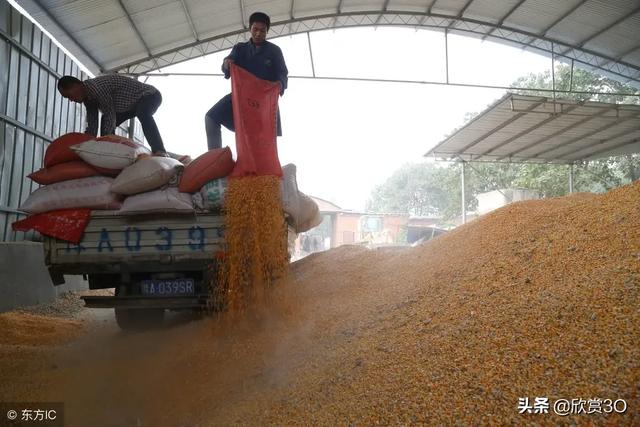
{"points": [[32, 112], [20, 286], [32, 115]]}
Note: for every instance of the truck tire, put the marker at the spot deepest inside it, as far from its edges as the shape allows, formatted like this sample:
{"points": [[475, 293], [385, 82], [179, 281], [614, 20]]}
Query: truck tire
{"points": [[139, 319]]}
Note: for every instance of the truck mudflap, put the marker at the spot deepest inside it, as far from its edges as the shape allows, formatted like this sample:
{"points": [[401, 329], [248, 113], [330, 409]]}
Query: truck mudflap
{"points": [[146, 302]]}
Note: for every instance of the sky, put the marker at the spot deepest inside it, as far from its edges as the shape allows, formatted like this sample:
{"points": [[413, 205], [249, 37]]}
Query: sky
{"points": [[346, 137]]}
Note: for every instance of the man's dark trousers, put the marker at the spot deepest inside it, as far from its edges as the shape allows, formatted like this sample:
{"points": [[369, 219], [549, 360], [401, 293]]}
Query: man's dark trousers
{"points": [[144, 111]]}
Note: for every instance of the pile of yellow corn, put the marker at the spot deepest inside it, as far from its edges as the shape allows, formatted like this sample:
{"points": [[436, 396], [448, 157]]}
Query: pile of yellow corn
{"points": [[539, 299], [20, 328]]}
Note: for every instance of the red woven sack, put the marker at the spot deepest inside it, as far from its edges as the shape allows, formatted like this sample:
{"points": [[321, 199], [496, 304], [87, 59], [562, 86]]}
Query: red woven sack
{"points": [[255, 105], [59, 150]]}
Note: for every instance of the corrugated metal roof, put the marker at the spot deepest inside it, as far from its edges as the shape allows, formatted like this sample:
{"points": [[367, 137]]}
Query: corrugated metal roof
{"points": [[142, 35], [523, 128]]}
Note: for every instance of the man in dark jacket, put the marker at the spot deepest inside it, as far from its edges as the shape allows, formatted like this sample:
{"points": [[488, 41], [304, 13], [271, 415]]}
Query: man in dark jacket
{"points": [[262, 59], [119, 98]]}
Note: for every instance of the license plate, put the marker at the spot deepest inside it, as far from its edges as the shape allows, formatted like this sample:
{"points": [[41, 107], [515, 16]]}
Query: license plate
{"points": [[168, 287]]}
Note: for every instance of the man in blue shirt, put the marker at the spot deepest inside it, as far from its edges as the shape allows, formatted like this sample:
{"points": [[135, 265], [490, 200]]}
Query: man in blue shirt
{"points": [[262, 59]]}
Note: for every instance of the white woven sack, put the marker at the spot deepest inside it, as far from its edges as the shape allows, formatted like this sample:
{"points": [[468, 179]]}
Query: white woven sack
{"points": [[309, 216], [290, 193], [93, 192], [147, 174], [169, 200], [110, 155]]}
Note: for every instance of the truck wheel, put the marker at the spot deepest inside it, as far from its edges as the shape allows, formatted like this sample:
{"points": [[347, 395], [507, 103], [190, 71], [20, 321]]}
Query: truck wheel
{"points": [[139, 319]]}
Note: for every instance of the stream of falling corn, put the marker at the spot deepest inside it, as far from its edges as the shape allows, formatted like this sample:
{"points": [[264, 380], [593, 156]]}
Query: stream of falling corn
{"points": [[255, 253]]}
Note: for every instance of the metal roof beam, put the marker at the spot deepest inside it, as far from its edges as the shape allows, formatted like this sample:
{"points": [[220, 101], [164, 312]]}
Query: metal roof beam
{"points": [[503, 125], [452, 157], [427, 13], [562, 17], [627, 52], [189, 20], [611, 138], [83, 50], [544, 32], [338, 12], [584, 135], [620, 56], [313, 66], [385, 6], [422, 82], [504, 17], [242, 19], [187, 14], [551, 118], [431, 6], [137, 31], [556, 133], [461, 13], [604, 150], [608, 27], [581, 44], [464, 9], [309, 24]]}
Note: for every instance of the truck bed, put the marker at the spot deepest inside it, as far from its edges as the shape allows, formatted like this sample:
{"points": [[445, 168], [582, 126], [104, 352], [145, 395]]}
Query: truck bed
{"points": [[154, 262], [114, 244]]}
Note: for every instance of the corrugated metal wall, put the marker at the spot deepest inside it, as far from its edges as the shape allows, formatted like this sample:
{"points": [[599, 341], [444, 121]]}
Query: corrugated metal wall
{"points": [[32, 112]]}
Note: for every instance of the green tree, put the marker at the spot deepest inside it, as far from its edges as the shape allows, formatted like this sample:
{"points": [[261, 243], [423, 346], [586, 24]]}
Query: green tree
{"points": [[422, 189]]}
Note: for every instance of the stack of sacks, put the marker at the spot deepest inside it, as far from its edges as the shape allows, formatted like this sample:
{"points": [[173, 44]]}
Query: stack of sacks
{"points": [[147, 183], [79, 169], [149, 186], [205, 178], [69, 181], [77, 177], [166, 184], [71, 188]]}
